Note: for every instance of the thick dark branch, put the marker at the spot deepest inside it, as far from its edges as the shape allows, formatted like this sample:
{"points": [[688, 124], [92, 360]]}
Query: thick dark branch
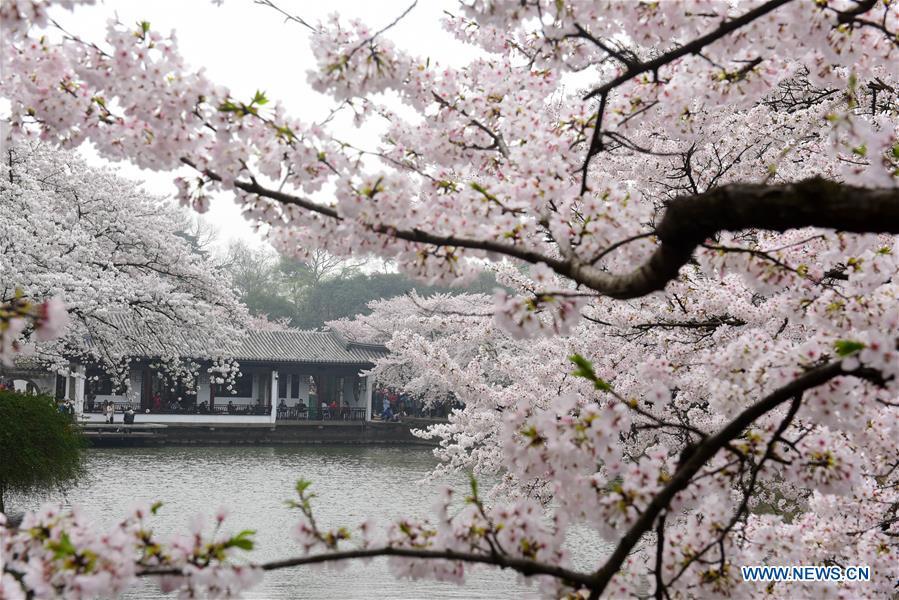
{"points": [[660, 591], [712, 323], [704, 452], [524, 566], [686, 224], [596, 143], [689, 221]]}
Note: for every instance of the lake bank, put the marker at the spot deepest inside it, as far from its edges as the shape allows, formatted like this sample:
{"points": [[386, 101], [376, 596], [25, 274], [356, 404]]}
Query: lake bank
{"points": [[282, 433]]}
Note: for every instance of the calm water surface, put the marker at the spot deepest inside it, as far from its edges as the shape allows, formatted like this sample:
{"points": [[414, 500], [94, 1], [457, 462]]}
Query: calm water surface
{"points": [[352, 483]]}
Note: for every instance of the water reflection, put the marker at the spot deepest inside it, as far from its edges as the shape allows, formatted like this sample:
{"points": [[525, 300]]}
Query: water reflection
{"points": [[352, 483]]}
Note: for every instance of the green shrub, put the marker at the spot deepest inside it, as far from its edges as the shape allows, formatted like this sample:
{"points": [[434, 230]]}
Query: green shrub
{"points": [[40, 448]]}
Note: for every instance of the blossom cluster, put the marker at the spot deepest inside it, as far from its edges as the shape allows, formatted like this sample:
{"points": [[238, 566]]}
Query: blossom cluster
{"points": [[55, 553], [561, 145]]}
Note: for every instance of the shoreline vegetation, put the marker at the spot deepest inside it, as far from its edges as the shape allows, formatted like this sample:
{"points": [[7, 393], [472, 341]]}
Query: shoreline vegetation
{"points": [[41, 448]]}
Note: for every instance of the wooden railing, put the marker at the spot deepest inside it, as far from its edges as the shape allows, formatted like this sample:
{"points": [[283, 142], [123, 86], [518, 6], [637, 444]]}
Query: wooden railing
{"points": [[218, 409], [289, 413], [343, 413]]}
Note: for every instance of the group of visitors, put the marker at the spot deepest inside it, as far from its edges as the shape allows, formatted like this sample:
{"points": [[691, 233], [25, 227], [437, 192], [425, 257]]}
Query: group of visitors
{"points": [[66, 407], [335, 410], [319, 409], [394, 405], [109, 409], [260, 408], [157, 404], [284, 410]]}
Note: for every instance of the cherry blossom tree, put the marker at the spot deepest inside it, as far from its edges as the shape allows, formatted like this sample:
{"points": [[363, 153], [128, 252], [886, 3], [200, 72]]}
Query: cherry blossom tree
{"points": [[710, 185], [112, 260], [445, 346]]}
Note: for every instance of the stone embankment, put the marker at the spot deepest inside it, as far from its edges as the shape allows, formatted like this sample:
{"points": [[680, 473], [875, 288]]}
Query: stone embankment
{"points": [[283, 432]]}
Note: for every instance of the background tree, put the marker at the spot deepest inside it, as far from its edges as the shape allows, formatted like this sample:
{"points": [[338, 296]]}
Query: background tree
{"points": [[310, 291], [346, 296], [200, 234], [126, 265], [41, 447], [448, 347], [254, 275], [316, 268]]}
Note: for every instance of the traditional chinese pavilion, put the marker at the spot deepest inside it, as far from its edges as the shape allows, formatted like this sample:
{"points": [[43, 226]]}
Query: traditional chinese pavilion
{"points": [[289, 374]]}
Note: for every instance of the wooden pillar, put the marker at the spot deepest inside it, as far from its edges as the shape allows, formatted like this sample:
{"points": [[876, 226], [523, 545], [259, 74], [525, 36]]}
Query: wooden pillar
{"points": [[273, 396], [317, 404], [369, 385], [78, 400]]}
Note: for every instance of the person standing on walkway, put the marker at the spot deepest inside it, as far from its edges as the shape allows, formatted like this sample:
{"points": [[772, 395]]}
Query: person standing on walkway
{"points": [[110, 412], [128, 418]]}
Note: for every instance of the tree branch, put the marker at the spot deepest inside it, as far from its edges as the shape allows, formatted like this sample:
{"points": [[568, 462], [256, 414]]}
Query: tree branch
{"points": [[704, 452], [524, 566], [687, 223], [690, 220], [693, 47]]}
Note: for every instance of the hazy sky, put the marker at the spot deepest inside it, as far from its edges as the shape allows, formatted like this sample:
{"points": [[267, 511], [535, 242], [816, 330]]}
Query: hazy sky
{"points": [[246, 46]]}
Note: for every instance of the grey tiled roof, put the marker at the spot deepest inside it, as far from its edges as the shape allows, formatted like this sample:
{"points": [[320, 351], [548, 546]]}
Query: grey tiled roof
{"points": [[288, 346], [305, 347]]}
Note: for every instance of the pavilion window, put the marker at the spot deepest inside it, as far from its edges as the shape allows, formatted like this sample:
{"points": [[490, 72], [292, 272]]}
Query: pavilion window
{"points": [[242, 387], [60, 387], [282, 386], [263, 387]]}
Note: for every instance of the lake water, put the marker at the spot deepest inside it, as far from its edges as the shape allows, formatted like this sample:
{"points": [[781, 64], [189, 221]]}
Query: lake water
{"points": [[352, 483]]}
